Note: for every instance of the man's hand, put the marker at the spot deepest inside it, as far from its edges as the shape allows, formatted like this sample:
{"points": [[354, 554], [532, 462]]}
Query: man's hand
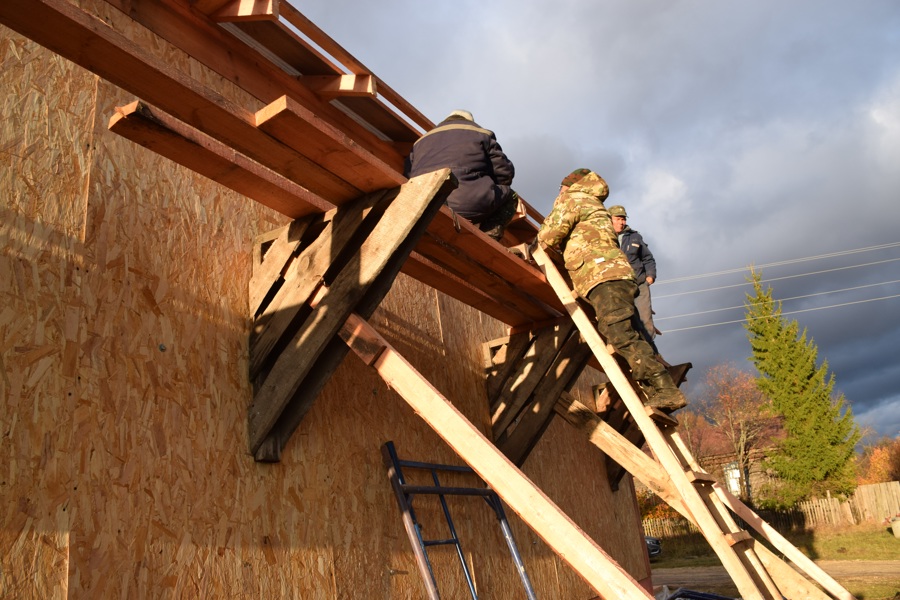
{"points": [[650, 280]]}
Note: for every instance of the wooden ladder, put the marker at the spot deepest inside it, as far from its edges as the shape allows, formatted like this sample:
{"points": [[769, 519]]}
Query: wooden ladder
{"points": [[675, 476]]}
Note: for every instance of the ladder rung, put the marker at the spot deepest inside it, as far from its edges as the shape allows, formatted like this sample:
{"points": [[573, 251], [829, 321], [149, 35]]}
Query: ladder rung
{"points": [[736, 537], [453, 541], [661, 418], [446, 491], [699, 478]]}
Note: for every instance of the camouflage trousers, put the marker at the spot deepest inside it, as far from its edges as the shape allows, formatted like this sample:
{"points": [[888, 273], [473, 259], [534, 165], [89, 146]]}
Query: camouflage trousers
{"points": [[619, 324]]}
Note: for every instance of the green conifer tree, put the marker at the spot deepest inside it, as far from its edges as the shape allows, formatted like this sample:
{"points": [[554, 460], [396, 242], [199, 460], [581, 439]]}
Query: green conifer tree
{"points": [[816, 455]]}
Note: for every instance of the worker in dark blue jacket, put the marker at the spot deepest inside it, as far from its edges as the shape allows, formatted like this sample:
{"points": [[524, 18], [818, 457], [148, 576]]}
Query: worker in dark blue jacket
{"points": [[484, 172], [632, 244]]}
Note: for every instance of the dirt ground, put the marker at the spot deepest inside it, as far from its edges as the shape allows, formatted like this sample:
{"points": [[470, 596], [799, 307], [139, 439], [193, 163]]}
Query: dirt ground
{"points": [[702, 579]]}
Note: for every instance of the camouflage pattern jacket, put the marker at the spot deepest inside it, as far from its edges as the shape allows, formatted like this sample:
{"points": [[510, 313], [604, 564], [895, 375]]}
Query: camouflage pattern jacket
{"points": [[581, 226]]}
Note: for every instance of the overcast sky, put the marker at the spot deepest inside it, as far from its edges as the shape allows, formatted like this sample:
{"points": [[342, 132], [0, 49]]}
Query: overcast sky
{"points": [[735, 133]]}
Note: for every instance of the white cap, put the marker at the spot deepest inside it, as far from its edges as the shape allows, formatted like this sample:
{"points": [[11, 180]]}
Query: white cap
{"points": [[461, 114]]}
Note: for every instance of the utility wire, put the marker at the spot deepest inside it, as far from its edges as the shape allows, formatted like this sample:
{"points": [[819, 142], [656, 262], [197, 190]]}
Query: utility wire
{"points": [[793, 312], [780, 263], [712, 310], [724, 287]]}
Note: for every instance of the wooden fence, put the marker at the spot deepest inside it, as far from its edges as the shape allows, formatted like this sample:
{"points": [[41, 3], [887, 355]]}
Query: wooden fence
{"points": [[869, 504]]}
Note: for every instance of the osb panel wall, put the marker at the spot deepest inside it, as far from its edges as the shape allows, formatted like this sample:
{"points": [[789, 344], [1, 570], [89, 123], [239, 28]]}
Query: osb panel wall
{"points": [[123, 342]]}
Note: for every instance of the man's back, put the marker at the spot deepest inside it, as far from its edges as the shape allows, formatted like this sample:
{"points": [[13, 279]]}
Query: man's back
{"points": [[475, 158]]}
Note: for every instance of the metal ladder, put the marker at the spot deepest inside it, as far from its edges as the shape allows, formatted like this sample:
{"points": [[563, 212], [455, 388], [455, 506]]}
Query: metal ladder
{"points": [[405, 495]]}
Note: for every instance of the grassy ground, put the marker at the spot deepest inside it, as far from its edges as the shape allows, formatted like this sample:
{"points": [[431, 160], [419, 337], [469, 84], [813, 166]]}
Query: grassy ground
{"points": [[865, 542]]}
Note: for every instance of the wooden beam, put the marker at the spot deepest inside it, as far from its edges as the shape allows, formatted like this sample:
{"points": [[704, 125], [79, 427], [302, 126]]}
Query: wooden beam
{"points": [[338, 86], [93, 44], [299, 128], [422, 268], [418, 199], [179, 142], [503, 362], [324, 41], [562, 535], [169, 137], [246, 10], [496, 260], [471, 267], [334, 353], [220, 50]]}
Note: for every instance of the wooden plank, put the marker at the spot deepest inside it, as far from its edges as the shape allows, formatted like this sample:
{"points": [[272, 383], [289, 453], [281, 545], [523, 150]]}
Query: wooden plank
{"points": [[700, 478], [504, 362], [275, 261], [570, 543], [337, 86], [342, 295], [739, 571], [380, 116], [299, 128], [430, 273], [306, 274], [169, 137], [525, 277], [246, 10], [535, 419], [471, 267], [736, 537], [291, 49], [517, 389]]}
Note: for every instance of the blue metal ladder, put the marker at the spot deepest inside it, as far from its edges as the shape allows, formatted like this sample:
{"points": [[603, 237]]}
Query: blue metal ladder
{"points": [[406, 493]]}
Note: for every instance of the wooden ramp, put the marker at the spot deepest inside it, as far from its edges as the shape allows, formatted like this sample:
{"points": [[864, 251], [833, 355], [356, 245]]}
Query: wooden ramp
{"points": [[675, 476]]}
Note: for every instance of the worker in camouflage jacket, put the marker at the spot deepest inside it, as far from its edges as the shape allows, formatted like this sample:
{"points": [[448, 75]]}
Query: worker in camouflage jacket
{"points": [[581, 227]]}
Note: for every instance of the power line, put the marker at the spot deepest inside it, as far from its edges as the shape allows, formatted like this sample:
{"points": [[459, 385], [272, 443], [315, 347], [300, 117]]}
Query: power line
{"points": [[793, 312], [781, 263], [712, 310], [725, 287]]}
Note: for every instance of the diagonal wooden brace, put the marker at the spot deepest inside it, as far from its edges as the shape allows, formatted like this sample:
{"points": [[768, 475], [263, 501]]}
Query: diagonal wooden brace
{"points": [[301, 352], [572, 545]]}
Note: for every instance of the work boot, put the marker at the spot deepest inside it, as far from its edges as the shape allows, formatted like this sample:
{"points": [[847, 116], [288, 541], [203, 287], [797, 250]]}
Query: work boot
{"points": [[663, 394], [495, 232]]}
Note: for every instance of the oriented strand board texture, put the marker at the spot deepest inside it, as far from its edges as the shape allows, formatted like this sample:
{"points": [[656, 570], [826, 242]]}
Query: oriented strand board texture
{"points": [[123, 342]]}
